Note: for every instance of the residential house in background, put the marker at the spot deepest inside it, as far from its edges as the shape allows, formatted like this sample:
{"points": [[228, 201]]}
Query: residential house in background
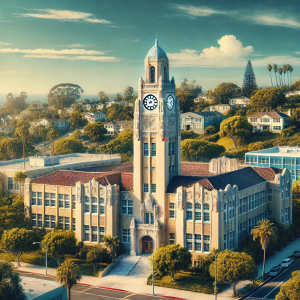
{"points": [[202, 97], [109, 104], [269, 121], [59, 124], [7, 129], [100, 106], [86, 106], [282, 157], [222, 108], [242, 101], [116, 127], [289, 94], [197, 122], [96, 116]]}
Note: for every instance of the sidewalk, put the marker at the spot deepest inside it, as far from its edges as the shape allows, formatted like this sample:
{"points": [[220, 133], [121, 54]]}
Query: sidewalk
{"points": [[131, 284]]}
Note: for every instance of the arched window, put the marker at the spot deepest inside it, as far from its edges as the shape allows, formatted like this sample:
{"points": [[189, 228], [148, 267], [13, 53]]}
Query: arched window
{"points": [[152, 75]]}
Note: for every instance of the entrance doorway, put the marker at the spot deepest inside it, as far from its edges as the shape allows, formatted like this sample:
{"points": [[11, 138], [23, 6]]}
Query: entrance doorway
{"points": [[147, 244]]}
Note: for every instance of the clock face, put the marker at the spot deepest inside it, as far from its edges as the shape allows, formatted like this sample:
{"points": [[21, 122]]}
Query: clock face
{"points": [[150, 102], [170, 102]]}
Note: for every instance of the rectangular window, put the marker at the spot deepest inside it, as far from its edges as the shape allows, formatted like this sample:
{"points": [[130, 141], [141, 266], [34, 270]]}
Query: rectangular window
{"points": [[61, 222], [52, 221], [17, 186], [67, 201], [189, 241], [170, 148], [67, 223], [102, 206], [171, 238], [53, 199], [47, 200], [149, 218], [73, 202], [146, 188], [126, 236], [173, 148], [152, 218], [127, 207], [60, 200], [94, 206], [153, 149], [189, 211], [101, 233], [86, 204], [74, 224], [86, 233], [10, 183], [47, 221], [146, 149], [197, 212], [33, 198], [40, 199], [153, 188], [40, 220], [94, 234], [197, 242], [206, 244], [276, 120], [172, 210], [33, 217]]}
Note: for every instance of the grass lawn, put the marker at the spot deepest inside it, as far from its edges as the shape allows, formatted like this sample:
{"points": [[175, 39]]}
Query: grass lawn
{"points": [[261, 137], [226, 142], [187, 281], [38, 258]]}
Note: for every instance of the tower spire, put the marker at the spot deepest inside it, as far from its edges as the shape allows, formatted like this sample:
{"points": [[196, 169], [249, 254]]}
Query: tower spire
{"points": [[156, 41]]}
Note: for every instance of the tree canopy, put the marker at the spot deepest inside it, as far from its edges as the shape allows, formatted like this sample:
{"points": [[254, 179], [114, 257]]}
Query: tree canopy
{"points": [[224, 92], [290, 290], [76, 120], [103, 97], [97, 254], [95, 131], [11, 148], [129, 94], [15, 105], [64, 94], [118, 112], [249, 82], [68, 145]]}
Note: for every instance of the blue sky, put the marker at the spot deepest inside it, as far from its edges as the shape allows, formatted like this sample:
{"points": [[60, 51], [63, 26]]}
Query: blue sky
{"points": [[101, 45]]}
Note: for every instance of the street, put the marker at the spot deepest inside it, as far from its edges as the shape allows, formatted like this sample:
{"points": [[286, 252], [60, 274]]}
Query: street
{"points": [[272, 288], [83, 292]]}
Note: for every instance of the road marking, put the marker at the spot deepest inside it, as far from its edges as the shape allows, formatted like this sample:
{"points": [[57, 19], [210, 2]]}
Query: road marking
{"points": [[127, 296], [103, 296], [86, 290], [274, 288]]}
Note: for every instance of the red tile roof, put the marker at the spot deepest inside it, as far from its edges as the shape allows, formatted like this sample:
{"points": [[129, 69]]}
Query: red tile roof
{"points": [[126, 182], [268, 173], [195, 169]]}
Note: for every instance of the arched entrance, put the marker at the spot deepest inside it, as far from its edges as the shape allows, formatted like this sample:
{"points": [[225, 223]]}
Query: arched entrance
{"points": [[147, 244]]}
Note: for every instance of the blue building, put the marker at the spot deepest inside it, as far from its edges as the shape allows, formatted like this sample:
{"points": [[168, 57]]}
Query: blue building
{"points": [[277, 157]]}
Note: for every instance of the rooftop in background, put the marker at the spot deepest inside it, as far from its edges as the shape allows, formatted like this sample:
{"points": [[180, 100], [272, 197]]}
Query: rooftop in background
{"points": [[278, 151], [34, 288], [271, 114]]}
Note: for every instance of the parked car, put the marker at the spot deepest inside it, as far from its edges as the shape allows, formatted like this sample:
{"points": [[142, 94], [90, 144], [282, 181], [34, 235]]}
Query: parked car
{"points": [[286, 262], [275, 270], [296, 253]]}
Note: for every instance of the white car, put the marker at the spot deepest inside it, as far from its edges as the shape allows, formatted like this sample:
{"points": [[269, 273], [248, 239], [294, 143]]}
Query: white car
{"points": [[286, 262], [275, 271]]}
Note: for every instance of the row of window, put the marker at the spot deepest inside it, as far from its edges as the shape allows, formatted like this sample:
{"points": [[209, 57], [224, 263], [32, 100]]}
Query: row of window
{"points": [[194, 212], [265, 120], [289, 161], [87, 205], [153, 149], [11, 185], [50, 200], [50, 222], [195, 239], [146, 188], [91, 233]]}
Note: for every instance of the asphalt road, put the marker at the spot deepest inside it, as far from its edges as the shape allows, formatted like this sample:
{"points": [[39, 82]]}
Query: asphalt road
{"points": [[82, 292], [272, 288]]}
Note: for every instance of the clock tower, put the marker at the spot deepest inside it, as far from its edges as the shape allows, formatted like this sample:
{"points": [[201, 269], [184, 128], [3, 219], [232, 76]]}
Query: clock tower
{"points": [[157, 140]]}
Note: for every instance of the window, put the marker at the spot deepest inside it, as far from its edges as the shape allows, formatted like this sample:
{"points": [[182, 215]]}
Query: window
{"points": [[197, 212], [206, 213], [40, 199], [206, 244], [253, 119], [149, 218], [86, 204], [153, 149], [10, 183], [67, 223], [60, 200], [173, 148], [86, 233], [277, 127], [127, 207], [146, 188], [189, 241], [102, 206], [94, 234], [47, 200], [153, 188], [94, 205], [61, 222], [101, 233], [53, 199], [33, 198], [74, 224], [33, 217], [52, 221], [40, 220], [276, 120], [189, 211], [67, 201], [152, 75], [17, 186], [73, 202], [172, 210], [265, 120], [126, 238], [197, 242], [171, 238], [146, 149], [47, 221]]}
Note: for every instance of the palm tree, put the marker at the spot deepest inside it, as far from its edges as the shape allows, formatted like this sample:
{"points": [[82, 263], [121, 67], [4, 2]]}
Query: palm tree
{"points": [[269, 67], [20, 178], [42, 130], [275, 68], [52, 135], [112, 243], [264, 231], [23, 132], [280, 73], [291, 70], [284, 71], [68, 274]]}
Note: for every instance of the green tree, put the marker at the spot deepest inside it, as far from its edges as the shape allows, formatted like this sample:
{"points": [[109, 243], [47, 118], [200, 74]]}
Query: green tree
{"points": [[275, 68], [285, 68], [170, 260], [237, 128], [20, 178], [42, 130], [68, 274], [269, 67], [97, 254], [113, 243], [249, 81], [15, 105], [118, 98], [60, 243], [76, 120], [117, 112], [224, 92], [209, 130], [23, 132], [103, 97], [68, 145], [52, 135], [233, 267], [10, 283], [10, 148], [95, 131], [64, 94], [264, 231], [290, 290], [280, 76], [128, 94], [291, 70], [196, 150], [18, 241]]}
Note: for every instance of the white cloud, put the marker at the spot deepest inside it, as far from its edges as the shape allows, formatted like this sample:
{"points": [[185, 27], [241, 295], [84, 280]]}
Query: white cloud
{"points": [[63, 15], [196, 11], [230, 53], [5, 44], [275, 20], [96, 58], [45, 56]]}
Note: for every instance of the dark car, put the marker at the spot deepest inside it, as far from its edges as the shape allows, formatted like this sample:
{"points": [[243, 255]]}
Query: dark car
{"points": [[275, 271], [296, 253]]}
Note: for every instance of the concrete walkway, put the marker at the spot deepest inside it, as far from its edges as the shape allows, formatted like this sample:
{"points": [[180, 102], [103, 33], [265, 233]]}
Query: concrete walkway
{"points": [[135, 280]]}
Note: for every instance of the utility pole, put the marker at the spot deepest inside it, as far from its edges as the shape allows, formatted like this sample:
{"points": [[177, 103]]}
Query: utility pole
{"points": [[216, 289]]}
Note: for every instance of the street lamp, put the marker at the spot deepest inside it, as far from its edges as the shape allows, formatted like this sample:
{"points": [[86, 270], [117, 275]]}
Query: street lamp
{"points": [[216, 289], [46, 251]]}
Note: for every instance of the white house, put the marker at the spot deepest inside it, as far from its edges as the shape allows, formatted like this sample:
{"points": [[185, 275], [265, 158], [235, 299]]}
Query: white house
{"points": [[86, 106], [222, 108], [59, 124], [96, 116], [241, 101], [289, 94], [268, 121], [118, 126]]}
